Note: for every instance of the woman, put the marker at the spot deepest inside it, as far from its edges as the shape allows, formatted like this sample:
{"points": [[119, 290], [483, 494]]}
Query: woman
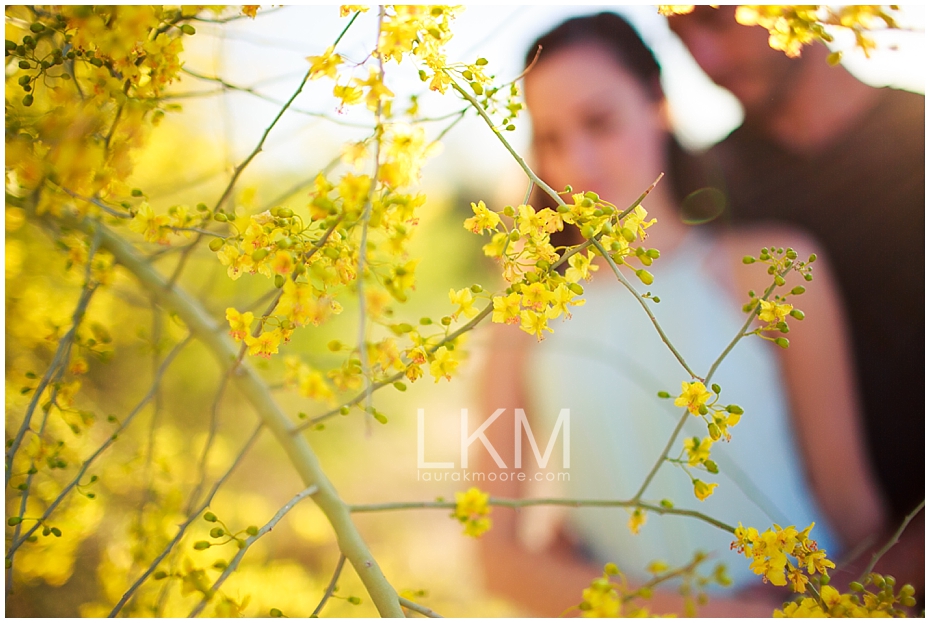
{"points": [[797, 456]]}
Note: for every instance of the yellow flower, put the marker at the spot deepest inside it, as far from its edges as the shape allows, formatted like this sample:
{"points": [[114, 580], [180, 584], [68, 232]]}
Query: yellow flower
{"points": [[443, 364], [506, 309], [483, 219], [471, 508], [580, 267], [534, 323], [636, 222], [773, 313], [325, 64], [266, 344], [238, 323], [703, 490], [466, 302], [536, 296], [693, 395], [637, 520], [698, 451]]}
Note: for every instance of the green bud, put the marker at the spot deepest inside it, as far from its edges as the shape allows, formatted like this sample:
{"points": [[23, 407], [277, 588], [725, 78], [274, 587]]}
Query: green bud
{"points": [[664, 394], [593, 196], [202, 545], [782, 341], [808, 277], [423, 76], [477, 289], [275, 613], [208, 516], [907, 590], [791, 254], [714, 431], [259, 254], [508, 211], [159, 575], [779, 280], [402, 328], [908, 601], [711, 466], [446, 321], [587, 231], [715, 388], [563, 209], [27, 101], [834, 58], [37, 27], [510, 127], [9, 45], [652, 253], [187, 29], [481, 61], [400, 386], [798, 290], [702, 409], [217, 532], [426, 321], [220, 217], [252, 530], [812, 258], [628, 235], [889, 580], [24, 80], [645, 276], [216, 244], [735, 409], [748, 259], [477, 88], [611, 569], [279, 281], [56, 532], [344, 410], [46, 531], [467, 74], [666, 503], [220, 565], [824, 579], [514, 236], [354, 600], [797, 314], [13, 521], [576, 288]]}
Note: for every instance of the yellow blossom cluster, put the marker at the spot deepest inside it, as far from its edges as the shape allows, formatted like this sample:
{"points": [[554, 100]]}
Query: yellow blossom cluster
{"points": [[774, 313], [91, 78], [791, 27], [719, 419], [471, 508], [537, 293], [859, 603], [770, 552]]}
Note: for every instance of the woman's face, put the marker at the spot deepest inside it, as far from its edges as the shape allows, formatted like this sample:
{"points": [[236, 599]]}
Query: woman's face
{"points": [[594, 126]]}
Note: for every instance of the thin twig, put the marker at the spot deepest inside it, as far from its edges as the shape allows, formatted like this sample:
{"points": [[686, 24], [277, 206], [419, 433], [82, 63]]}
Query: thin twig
{"points": [[522, 503], [190, 519], [891, 542], [645, 306], [750, 317], [411, 605], [211, 435], [331, 587], [93, 457], [234, 563]]}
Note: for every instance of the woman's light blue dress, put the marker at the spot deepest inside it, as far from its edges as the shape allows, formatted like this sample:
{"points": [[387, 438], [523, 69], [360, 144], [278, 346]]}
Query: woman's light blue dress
{"points": [[607, 364]]}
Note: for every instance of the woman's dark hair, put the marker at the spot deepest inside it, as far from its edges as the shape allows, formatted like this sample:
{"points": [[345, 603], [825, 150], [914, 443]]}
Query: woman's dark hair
{"points": [[611, 33]]}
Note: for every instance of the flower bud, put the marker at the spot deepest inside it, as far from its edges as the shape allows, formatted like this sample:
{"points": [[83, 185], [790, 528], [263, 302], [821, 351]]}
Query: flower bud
{"points": [[400, 386], [252, 530], [797, 314], [715, 388], [202, 545], [748, 259], [856, 587], [782, 341], [611, 569], [711, 466], [259, 254], [220, 217], [664, 394], [216, 244], [666, 503], [645, 276], [217, 532], [208, 516], [187, 29]]}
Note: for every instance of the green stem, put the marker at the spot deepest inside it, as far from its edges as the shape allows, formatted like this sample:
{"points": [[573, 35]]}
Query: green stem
{"points": [[645, 306], [256, 392], [522, 503]]}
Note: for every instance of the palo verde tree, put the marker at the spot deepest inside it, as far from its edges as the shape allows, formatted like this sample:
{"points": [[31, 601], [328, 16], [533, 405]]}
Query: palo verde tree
{"points": [[95, 266]]}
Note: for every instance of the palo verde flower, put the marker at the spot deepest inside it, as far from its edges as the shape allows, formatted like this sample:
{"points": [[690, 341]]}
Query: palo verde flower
{"points": [[693, 395], [471, 508]]}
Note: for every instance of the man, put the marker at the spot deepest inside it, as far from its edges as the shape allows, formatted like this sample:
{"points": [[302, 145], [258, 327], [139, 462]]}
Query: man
{"points": [[845, 161]]}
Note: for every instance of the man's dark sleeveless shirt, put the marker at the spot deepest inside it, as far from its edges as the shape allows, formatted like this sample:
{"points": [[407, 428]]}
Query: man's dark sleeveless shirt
{"points": [[863, 198]]}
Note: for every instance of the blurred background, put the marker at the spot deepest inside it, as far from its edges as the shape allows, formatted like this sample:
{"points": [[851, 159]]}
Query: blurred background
{"points": [[188, 160]]}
